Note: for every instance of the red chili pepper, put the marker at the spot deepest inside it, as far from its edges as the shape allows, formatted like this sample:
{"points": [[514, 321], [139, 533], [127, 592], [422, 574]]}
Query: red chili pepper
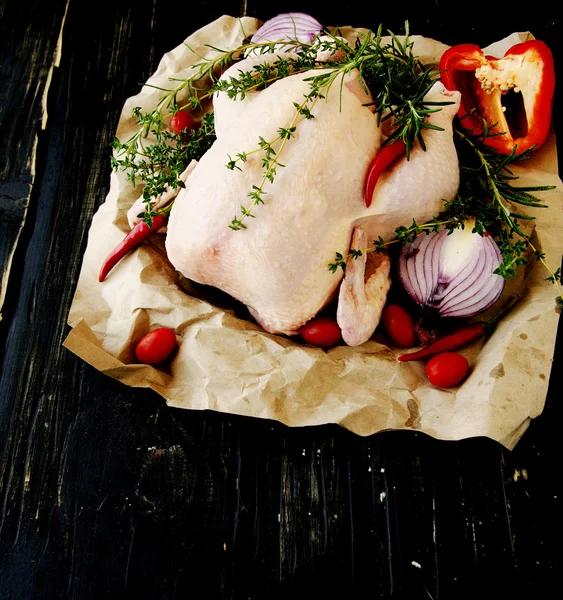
{"points": [[489, 89], [387, 156], [134, 238], [459, 339]]}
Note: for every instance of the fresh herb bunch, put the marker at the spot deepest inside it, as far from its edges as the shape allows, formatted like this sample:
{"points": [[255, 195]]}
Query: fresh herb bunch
{"points": [[398, 83], [155, 156], [158, 164], [396, 79], [389, 70]]}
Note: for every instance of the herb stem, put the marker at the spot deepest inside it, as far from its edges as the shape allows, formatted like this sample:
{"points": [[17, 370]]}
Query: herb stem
{"points": [[404, 235], [271, 160]]}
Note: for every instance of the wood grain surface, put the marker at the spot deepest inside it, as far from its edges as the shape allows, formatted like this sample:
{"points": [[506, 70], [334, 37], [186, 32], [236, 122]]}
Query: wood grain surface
{"points": [[107, 493]]}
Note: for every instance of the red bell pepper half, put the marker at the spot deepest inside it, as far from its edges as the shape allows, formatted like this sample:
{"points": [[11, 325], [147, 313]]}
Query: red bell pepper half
{"points": [[510, 97]]}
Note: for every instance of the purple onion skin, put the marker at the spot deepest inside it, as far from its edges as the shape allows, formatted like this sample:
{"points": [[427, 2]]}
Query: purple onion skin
{"points": [[288, 26], [470, 291]]}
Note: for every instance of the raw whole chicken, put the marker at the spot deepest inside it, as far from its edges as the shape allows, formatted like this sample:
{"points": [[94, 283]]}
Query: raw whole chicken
{"points": [[278, 265]]}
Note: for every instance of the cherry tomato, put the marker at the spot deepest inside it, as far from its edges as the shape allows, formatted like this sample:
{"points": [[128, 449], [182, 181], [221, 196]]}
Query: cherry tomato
{"points": [[399, 325], [181, 121], [321, 331], [156, 346], [447, 369]]}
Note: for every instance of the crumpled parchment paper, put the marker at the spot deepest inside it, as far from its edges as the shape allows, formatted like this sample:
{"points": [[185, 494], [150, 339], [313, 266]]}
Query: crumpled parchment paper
{"points": [[229, 364]]}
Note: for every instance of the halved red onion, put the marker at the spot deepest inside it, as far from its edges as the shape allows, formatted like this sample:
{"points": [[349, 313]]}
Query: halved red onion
{"points": [[452, 272], [288, 26]]}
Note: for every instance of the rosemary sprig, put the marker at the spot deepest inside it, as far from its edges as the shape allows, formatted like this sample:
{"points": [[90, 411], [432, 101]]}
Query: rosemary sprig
{"points": [[487, 192], [399, 83]]}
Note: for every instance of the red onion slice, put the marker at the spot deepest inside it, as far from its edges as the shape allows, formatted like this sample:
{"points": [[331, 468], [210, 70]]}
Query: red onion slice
{"points": [[438, 288], [407, 272], [464, 277], [424, 284], [462, 293], [288, 26], [486, 295], [411, 267], [406, 281], [433, 266], [452, 272]]}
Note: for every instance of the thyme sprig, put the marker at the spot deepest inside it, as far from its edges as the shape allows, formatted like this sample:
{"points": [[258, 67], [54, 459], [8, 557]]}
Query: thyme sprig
{"points": [[158, 164], [270, 159], [403, 235]]}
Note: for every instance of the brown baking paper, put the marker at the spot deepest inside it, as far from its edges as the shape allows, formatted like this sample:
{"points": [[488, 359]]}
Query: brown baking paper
{"points": [[229, 364]]}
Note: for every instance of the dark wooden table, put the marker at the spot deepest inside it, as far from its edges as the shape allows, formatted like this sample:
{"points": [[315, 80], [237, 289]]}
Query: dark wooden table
{"points": [[107, 493]]}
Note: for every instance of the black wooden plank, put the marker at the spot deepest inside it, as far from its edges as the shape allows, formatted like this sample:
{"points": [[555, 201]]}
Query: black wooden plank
{"points": [[26, 64], [51, 462]]}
